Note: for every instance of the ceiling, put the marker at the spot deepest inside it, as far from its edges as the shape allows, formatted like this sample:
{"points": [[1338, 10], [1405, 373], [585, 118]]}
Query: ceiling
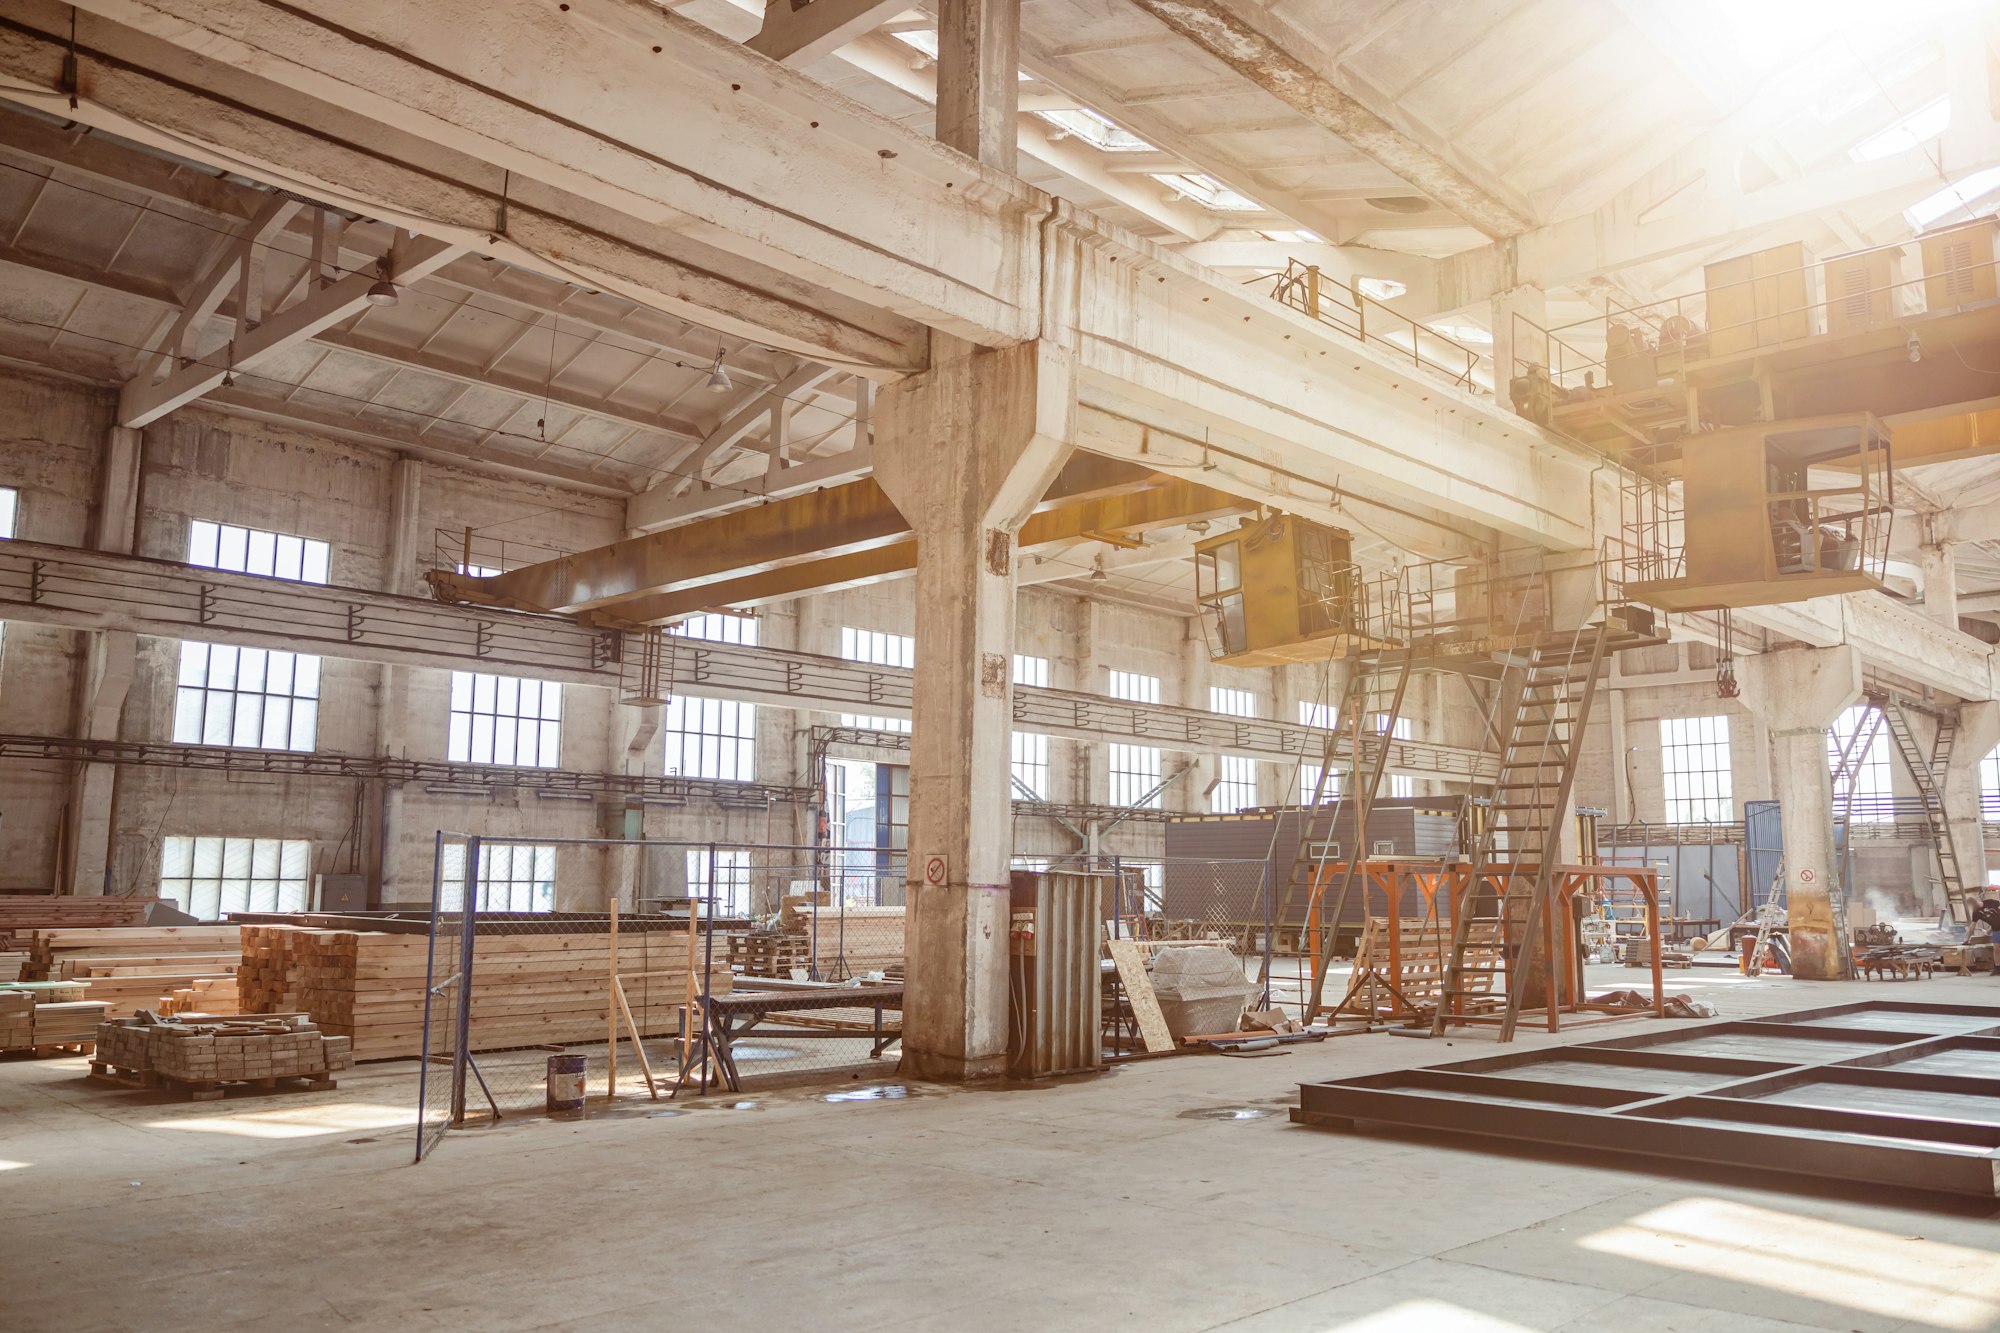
{"points": [[1491, 118]]}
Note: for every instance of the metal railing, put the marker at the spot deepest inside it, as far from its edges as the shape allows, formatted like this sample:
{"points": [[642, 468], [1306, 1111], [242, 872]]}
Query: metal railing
{"points": [[1678, 330], [1347, 309]]}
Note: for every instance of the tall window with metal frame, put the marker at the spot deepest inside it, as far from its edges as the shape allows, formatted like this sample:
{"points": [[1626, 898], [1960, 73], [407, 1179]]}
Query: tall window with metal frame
{"points": [[877, 649], [1695, 771], [1031, 749], [1134, 770], [211, 876], [504, 720], [1321, 716], [513, 877], [257, 698], [712, 738], [1235, 775], [1873, 791]]}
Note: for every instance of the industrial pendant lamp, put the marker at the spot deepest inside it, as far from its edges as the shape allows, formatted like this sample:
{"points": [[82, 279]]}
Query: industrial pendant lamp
{"points": [[383, 292], [718, 378]]}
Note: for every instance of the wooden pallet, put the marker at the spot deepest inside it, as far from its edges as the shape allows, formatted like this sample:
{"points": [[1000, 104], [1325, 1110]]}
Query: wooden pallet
{"points": [[214, 1089], [50, 1049]]}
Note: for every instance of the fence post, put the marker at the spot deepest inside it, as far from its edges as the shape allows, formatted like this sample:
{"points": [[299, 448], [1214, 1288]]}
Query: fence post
{"points": [[468, 924], [707, 965], [1264, 880], [430, 994]]}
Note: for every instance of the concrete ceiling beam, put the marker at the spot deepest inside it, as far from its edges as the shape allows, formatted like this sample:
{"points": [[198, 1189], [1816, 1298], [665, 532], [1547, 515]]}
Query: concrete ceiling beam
{"points": [[800, 33], [1225, 34]]}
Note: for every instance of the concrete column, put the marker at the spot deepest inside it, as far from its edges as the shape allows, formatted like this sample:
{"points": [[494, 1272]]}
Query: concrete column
{"points": [[1940, 567], [1798, 693], [979, 61], [383, 811], [1978, 733], [1197, 674], [117, 526], [405, 537], [104, 676], [1523, 346], [965, 451], [109, 658]]}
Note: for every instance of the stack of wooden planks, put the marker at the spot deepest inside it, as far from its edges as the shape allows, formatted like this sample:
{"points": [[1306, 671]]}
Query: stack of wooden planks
{"points": [[527, 989], [24, 912], [204, 995], [133, 967], [849, 941], [267, 974]]}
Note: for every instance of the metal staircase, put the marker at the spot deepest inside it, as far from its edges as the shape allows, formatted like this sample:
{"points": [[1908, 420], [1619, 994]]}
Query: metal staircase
{"points": [[1928, 771], [1512, 868], [1370, 702]]}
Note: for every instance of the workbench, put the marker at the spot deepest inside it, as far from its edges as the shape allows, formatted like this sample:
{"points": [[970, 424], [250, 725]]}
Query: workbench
{"points": [[733, 1016]]}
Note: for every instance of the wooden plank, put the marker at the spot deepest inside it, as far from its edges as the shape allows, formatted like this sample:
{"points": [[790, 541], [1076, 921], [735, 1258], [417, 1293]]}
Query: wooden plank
{"points": [[1130, 956]]}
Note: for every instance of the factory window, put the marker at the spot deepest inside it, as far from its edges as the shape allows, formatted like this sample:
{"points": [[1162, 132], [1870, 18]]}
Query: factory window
{"points": [[1322, 717], [1135, 775], [10, 505], [1031, 749], [877, 649], [1400, 785], [209, 877], [254, 697], [254, 551], [1694, 768], [1236, 777], [504, 720], [712, 738], [513, 877], [730, 883], [1873, 796], [1135, 688], [1989, 787]]}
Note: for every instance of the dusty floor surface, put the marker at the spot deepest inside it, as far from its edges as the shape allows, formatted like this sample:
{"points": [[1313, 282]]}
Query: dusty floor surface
{"points": [[1088, 1205]]}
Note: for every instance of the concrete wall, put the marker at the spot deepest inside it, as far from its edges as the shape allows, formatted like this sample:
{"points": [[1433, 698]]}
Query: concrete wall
{"points": [[204, 464]]}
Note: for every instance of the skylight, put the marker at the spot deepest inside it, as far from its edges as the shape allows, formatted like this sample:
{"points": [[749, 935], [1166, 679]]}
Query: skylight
{"points": [[1927, 122], [1096, 130], [1966, 195], [1207, 191], [1382, 289], [1299, 237]]}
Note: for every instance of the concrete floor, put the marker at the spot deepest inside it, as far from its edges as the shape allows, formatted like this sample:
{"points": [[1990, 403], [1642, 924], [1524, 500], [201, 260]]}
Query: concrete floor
{"points": [[1089, 1205]]}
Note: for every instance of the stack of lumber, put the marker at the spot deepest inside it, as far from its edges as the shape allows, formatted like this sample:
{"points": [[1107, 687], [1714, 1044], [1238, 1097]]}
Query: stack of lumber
{"points": [[205, 995], [21, 913], [12, 965], [199, 1058], [68, 1024], [267, 973], [527, 989], [134, 967], [17, 1019], [848, 941]]}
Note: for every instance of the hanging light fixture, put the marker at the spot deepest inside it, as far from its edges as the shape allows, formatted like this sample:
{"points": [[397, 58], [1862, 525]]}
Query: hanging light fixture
{"points": [[718, 377], [383, 292]]}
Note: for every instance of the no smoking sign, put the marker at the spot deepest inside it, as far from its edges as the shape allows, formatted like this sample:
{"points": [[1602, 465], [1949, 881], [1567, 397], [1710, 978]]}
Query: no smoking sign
{"points": [[1807, 875], [935, 870]]}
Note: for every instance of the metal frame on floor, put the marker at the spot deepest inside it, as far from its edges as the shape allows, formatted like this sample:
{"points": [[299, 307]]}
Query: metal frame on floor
{"points": [[1740, 1094]]}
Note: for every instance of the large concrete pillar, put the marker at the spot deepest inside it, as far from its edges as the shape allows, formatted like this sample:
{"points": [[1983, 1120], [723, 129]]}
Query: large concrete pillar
{"points": [[1797, 694], [383, 814], [1978, 733], [965, 451], [104, 676]]}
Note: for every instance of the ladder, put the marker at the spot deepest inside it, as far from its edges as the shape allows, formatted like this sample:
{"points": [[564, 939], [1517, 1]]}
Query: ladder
{"points": [[1370, 702], [1521, 839], [1928, 771]]}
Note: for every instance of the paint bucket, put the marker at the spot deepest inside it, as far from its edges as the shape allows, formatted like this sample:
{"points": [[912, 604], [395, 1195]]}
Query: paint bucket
{"points": [[566, 1082]]}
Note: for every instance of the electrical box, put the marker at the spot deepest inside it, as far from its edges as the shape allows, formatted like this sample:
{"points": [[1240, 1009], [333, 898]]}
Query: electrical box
{"points": [[1759, 300], [1279, 589], [340, 893], [1958, 267], [1055, 1017], [1778, 512], [1859, 290]]}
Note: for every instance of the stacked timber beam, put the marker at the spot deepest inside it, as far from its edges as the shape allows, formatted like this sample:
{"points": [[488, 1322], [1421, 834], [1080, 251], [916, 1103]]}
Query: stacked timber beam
{"points": [[847, 941], [22, 913], [527, 988], [130, 968]]}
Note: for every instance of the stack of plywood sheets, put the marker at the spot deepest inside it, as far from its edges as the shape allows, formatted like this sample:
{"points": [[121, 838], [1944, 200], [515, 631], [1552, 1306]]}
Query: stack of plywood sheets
{"points": [[527, 989]]}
